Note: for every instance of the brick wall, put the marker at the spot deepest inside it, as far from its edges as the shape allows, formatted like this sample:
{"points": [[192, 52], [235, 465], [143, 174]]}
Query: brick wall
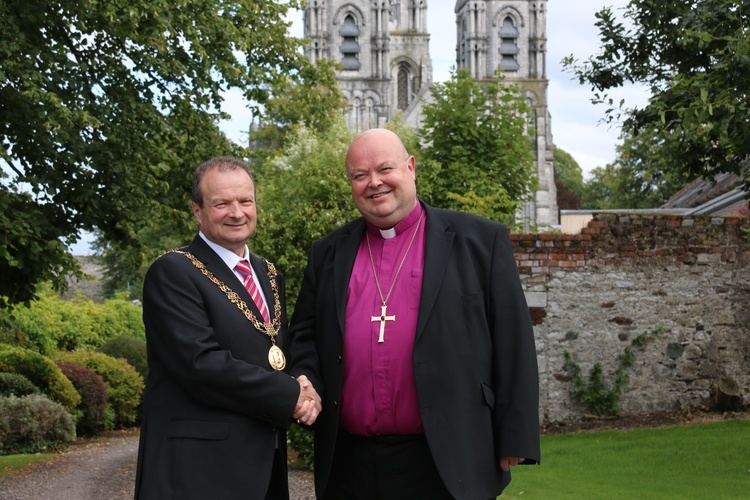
{"points": [[685, 281]]}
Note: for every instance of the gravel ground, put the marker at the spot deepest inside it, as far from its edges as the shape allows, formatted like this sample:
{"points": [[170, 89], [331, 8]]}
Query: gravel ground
{"points": [[101, 468]]}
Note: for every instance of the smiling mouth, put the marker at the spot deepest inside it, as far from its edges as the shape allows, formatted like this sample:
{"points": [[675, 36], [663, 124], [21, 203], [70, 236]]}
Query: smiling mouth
{"points": [[379, 195]]}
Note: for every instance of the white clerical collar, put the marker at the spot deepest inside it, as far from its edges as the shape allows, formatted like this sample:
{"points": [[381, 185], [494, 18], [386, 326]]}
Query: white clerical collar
{"points": [[229, 257], [387, 234]]}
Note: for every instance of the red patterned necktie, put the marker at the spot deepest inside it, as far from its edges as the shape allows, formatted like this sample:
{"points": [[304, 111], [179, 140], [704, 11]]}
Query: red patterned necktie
{"points": [[243, 268]]}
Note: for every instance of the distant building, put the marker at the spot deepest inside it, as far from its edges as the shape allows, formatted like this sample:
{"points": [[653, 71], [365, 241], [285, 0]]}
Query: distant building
{"points": [[383, 49]]}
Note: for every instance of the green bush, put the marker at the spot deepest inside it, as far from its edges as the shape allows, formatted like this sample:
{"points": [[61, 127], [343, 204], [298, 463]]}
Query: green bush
{"points": [[301, 441], [33, 423], [41, 371], [92, 416], [14, 384], [131, 349], [51, 324], [124, 384]]}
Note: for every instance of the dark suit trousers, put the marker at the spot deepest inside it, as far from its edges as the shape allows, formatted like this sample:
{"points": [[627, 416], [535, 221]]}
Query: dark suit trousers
{"points": [[384, 468]]}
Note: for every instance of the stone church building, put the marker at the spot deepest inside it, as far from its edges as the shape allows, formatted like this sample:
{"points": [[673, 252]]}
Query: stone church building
{"points": [[383, 49]]}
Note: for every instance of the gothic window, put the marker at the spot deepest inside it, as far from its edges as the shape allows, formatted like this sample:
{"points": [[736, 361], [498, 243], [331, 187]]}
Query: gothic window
{"points": [[508, 45], [402, 86], [349, 46]]}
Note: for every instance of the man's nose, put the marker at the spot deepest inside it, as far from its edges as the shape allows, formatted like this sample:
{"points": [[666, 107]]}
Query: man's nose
{"points": [[235, 210], [374, 179]]}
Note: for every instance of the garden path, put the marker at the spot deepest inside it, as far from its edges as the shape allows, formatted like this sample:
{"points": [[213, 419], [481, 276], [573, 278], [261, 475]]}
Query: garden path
{"points": [[97, 468]]}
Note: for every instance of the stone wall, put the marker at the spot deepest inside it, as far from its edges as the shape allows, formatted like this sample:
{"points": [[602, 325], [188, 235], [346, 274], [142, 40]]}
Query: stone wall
{"points": [[682, 283]]}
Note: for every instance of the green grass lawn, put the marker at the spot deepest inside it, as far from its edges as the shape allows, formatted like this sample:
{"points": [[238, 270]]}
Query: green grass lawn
{"points": [[10, 462], [710, 461]]}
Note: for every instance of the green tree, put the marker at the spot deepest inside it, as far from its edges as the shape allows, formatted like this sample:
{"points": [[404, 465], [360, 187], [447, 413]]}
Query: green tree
{"points": [[96, 97], [303, 195], [478, 154], [695, 59], [312, 99], [568, 180], [640, 177]]}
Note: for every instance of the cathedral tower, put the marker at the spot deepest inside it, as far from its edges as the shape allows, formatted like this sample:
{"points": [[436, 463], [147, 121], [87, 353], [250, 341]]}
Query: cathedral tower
{"points": [[510, 37], [383, 49]]}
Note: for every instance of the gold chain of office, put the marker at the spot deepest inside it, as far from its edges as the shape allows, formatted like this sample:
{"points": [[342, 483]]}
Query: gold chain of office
{"points": [[271, 329]]}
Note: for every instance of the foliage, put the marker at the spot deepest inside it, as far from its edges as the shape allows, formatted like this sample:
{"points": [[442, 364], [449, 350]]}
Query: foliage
{"points": [[313, 100], [41, 371], [595, 394], [50, 323], [33, 248], [33, 423], [478, 151], [640, 177], [303, 196], [97, 99], [301, 441], [124, 384], [695, 59], [93, 416], [15, 384], [131, 349], [568, 180]]}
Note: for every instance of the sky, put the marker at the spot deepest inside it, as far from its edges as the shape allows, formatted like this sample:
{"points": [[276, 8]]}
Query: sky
{"points": [[577, 125]]}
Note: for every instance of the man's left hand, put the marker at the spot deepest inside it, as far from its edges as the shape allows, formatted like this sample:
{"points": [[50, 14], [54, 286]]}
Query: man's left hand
{"points": [[507, 462]]}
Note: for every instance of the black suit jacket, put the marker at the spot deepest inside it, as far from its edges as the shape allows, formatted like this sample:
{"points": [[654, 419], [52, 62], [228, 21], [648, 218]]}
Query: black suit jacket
{"points": [[213, 411], [474, 356]]}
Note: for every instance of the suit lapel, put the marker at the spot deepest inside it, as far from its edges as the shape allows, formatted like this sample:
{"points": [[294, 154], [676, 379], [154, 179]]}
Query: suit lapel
{"points": [[345, 251], [438, 247]]}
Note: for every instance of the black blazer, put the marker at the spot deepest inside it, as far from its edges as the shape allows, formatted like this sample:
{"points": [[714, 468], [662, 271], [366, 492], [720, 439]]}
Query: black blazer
{"points": [[213, 411], [474, 356]]}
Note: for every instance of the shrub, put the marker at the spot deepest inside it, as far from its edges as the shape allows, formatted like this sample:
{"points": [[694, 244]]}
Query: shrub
{"points": [[51, 324], [41, 371], [131, 349], [92, 414], [301, 440], [124, 384], [33, 423], [14, 384]]}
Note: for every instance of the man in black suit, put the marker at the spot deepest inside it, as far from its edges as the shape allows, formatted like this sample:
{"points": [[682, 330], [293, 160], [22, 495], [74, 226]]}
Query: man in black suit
{"points": [[217, 401], [412, 324]]}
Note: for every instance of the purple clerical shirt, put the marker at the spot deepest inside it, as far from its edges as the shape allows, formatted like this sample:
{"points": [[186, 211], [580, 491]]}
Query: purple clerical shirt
{"points": [[379, 394]]}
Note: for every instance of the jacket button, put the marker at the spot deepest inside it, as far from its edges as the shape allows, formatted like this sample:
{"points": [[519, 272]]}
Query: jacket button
{"points": [[340, 358], [335, 403]]}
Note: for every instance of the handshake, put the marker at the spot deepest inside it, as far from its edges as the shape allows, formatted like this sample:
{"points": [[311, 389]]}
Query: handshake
{"points": [[309, 404]]}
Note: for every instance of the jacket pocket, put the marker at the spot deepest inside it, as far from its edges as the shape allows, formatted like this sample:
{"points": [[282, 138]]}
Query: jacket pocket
{"points": [[489, 395], [198, 429]]}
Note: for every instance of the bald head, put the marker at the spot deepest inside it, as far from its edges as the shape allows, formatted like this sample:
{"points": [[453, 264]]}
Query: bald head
{"points": [[382, 176]]}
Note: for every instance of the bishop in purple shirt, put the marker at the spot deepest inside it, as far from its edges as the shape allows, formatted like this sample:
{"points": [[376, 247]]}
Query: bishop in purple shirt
{"points": [[413, 326]]}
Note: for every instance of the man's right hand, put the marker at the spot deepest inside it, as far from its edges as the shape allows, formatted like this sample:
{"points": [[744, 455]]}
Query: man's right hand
{"points": [[309, 404]]}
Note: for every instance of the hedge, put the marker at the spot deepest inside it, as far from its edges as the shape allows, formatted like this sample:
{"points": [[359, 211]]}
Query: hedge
{"points": [[33, 423], [15, 384], [131, 349], [51, 324], [41, 371], [124, 384], [94, 414]]}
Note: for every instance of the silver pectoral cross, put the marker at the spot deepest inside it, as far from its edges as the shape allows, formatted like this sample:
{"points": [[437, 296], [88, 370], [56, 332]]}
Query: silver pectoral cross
{"points": [[382, 318]]}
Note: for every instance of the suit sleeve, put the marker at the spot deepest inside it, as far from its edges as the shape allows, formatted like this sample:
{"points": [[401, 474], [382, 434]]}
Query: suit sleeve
{"points": [[180, 333], [303, 348], [516, 378]]}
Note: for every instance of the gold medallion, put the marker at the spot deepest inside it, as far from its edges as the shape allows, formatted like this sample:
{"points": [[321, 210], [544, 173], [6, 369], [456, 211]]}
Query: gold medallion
{"points": [[276, 358]]}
